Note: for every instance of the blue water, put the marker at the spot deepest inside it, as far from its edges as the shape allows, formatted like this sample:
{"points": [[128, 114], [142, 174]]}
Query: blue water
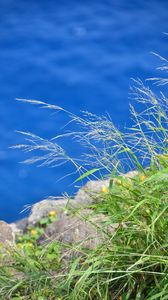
{"points": [[76, 54]]}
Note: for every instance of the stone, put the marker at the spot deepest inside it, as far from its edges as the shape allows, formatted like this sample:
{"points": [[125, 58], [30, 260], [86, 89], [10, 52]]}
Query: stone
{"points": [[84, 197], [22, 224], [71, 229], [41, 209], [6, 233], [87, 193], [131, 174], [15, 229]]}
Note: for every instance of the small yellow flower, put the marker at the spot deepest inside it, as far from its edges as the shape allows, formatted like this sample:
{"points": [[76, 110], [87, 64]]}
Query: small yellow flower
{"points": [[52, 213], [20, 245], [127, 184], [33, 232], [26, 245], [104, 189], [30, 245], [142, 177], [118, 181]]}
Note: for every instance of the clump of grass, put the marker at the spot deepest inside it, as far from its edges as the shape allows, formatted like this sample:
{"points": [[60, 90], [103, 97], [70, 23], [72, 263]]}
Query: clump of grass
{"points": [[132, 263]]}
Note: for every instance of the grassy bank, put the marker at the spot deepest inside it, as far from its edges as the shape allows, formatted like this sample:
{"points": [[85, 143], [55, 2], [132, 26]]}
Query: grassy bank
{"points": [[132, 262]]}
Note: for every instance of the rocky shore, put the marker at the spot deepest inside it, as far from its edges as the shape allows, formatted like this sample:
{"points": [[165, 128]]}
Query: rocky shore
{"points": [[68, 227]]}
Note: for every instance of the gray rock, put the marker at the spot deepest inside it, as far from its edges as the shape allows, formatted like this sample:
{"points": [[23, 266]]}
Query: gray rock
{"points": [[6, 233], [83, 228], [15, 229], [22, 224], [87, 193], [84, 197], [42, 209], [131, 174], [19, 226]]}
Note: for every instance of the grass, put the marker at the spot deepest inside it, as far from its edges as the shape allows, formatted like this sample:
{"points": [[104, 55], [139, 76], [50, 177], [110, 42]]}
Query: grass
{"points": [[132, 262]]}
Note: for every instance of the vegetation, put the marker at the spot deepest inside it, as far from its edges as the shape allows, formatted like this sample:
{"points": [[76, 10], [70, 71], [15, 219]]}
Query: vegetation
{"points": [[132, 263], [28, 267]]}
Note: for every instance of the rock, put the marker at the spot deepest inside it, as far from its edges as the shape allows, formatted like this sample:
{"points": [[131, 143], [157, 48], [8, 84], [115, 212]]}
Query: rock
{"points": [[71, 229], [22, 224], [87, 193], [131, 174], [41, 209], [6, 233], [83, 198], [15, 229]]}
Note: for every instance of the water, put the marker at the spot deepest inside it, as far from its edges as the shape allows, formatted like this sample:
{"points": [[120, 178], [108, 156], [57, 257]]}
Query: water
{"points": [[79, 55]]}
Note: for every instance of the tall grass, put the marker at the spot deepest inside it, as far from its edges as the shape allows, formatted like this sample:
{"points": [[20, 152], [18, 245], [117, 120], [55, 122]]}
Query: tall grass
{"points": [[106, 147], [132, 261]]}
